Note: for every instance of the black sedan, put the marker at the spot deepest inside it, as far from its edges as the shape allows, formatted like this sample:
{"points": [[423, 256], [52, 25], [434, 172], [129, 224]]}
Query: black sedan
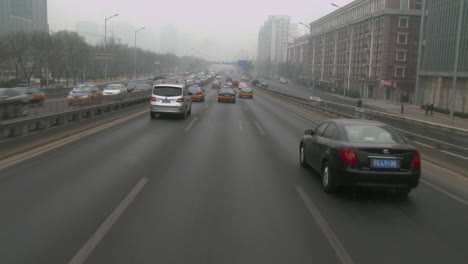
{"points": [[348, 152]]}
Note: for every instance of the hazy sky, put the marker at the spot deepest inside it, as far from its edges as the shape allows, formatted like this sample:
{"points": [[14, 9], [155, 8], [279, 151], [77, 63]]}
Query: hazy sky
{"points": [[219, 29]]}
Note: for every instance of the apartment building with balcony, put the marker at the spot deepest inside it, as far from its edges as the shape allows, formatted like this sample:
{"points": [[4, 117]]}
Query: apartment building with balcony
{"points": [[379, 37]]}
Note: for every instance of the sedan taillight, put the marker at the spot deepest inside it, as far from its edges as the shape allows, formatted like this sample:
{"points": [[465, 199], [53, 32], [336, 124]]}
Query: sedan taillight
{"points": [[180, 100], [349, 155], [153, 99], [416, 160]]}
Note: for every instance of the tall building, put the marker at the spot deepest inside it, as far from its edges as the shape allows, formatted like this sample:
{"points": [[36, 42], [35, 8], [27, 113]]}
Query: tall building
{"points": [[169, 38], [298, 58], [438, 51], [379, 39], [272, 43], [23, 15]]}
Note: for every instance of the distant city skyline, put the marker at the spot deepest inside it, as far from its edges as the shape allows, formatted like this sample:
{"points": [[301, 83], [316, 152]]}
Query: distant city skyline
{"points": [[200, 24]]}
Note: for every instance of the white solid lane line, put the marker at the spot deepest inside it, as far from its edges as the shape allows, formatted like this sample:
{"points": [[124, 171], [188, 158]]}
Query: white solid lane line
{"points": [[340, 251], [91, 244], [422, 144], [455, 155], [453, 196], [241, 128], [191, 124], [245, 107], [259, 128]]}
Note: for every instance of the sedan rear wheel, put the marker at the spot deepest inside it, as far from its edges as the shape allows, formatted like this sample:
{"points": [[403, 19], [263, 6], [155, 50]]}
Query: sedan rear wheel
{"points": [[184, 115], [302, 160], [328, 179], [153, 115]]}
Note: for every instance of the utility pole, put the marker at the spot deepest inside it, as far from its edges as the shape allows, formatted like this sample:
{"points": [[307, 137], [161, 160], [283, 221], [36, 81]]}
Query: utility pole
{"points": [[136, 31]]}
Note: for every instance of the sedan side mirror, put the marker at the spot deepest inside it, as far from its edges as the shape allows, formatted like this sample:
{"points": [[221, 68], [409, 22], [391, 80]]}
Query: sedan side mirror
{"points": [[309, 132]]}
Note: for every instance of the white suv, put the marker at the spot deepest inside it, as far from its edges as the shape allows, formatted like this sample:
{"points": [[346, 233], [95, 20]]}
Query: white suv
{"points": [[170, 99], [116, 88]]}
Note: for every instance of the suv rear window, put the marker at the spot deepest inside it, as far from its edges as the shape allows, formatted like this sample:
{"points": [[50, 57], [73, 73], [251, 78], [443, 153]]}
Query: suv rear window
{"points": [[167, 91]]}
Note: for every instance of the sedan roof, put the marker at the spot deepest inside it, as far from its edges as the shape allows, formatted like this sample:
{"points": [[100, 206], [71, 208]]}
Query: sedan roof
{"points": [[356, 122]]}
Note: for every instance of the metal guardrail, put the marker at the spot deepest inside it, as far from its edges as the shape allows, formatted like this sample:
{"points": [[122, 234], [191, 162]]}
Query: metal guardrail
{"points": [[23, 126], [437, 135]]}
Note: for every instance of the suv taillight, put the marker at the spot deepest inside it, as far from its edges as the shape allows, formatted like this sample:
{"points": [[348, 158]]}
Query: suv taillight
{"points": [[349, 155], [180, 100], [153, 98], [416, 160]]}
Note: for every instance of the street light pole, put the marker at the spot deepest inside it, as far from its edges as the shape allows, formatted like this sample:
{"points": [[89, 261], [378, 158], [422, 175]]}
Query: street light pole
{"points": [[136, 31], [105, 42]]}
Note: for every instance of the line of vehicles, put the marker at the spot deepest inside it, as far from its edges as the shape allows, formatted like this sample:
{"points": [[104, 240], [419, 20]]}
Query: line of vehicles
{"points": [[88, 93]]}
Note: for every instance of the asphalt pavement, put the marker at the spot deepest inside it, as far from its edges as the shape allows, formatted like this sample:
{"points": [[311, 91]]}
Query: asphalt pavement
{"points": [[223, 186]]}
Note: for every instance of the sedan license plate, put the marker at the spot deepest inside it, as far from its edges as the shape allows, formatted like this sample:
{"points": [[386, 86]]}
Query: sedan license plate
{"points": [[386, 163], [166, 101]]}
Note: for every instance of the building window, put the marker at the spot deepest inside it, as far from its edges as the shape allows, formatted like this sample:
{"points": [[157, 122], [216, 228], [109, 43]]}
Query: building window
{"points": [[418, 5], [415, 39], [400, 71], [414, 56], [401, 55], [381, 22], [402, 38], [403, 22], [404, 4], [379, 55], [380, 39], [377, 71]]}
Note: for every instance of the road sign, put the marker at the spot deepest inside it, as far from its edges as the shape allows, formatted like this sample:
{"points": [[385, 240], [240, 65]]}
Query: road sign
{"points": [[242, 63]]}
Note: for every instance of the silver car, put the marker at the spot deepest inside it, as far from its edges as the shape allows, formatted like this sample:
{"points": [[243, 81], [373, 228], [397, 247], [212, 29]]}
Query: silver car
{"points": [[170, 99]]}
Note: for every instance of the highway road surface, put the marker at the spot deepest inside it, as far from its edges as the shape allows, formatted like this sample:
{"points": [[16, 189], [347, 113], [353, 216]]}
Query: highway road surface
{"points": [[223, 186]]}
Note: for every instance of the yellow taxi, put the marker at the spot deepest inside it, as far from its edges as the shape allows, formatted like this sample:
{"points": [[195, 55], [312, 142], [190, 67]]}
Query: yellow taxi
{"points": [[246, 92], [216, 84], [84, 94], [35, 96], [227, 95], [196, 93]]}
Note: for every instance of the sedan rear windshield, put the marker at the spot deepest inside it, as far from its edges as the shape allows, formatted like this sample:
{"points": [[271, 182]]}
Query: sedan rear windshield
{"points": [[227, 90], [246, 90], [372, 134], [113, 87], [167, 91], [194, 88], [83, 90]]}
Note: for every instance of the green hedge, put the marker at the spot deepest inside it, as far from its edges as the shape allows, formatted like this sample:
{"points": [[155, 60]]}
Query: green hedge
{"points": [[353, 94], [349, 93], [447, 111], [9, 83]]}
